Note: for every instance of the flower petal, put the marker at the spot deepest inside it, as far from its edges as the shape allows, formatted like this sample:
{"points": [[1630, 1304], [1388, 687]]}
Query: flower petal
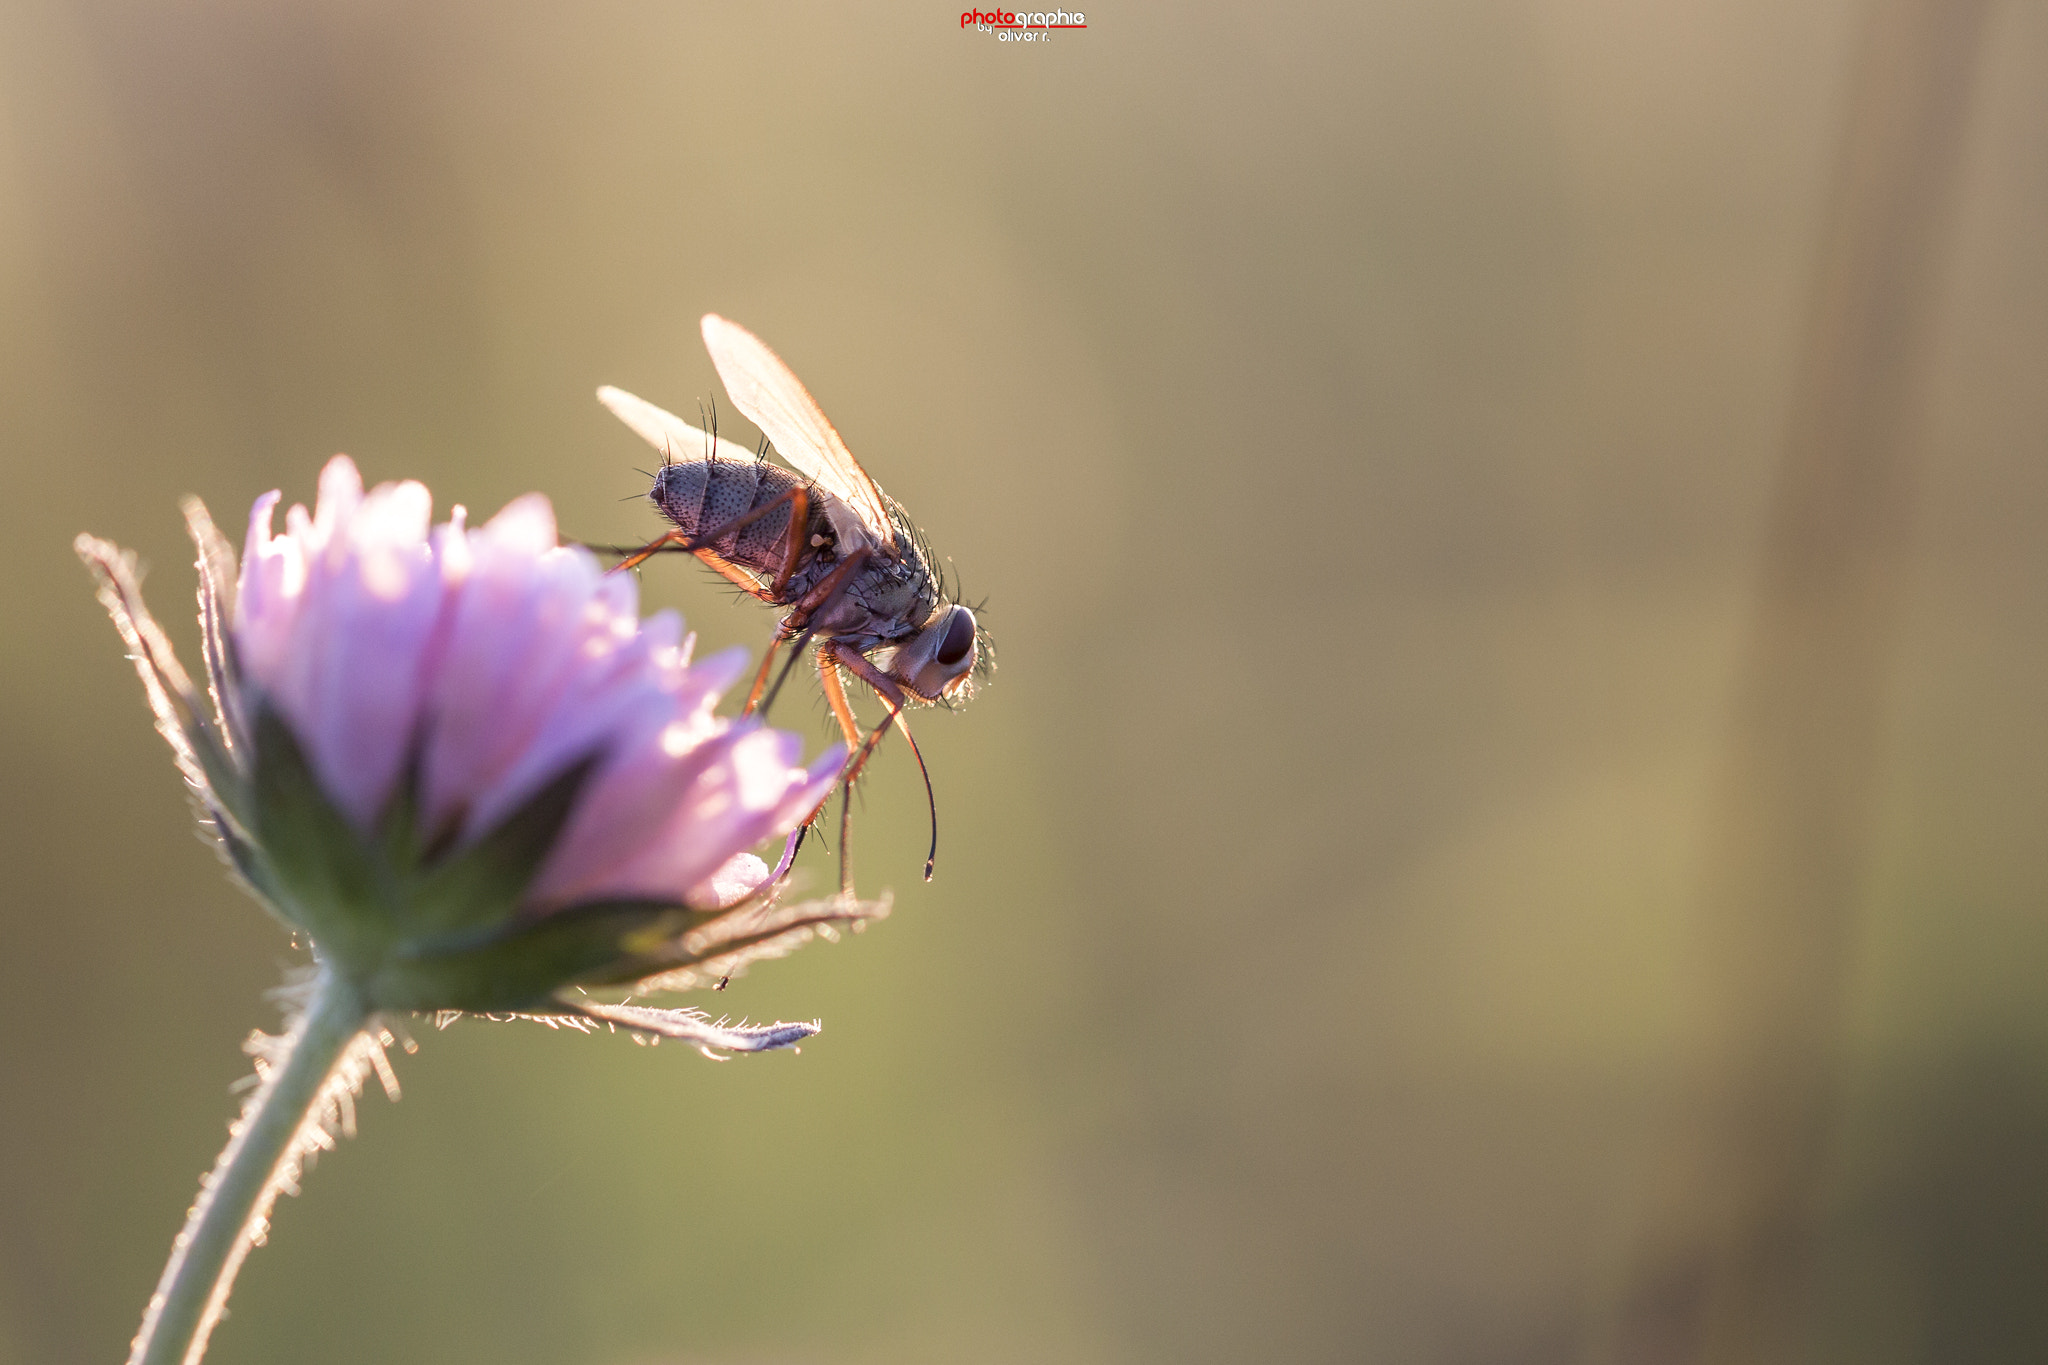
{"points": [[351, 676]]}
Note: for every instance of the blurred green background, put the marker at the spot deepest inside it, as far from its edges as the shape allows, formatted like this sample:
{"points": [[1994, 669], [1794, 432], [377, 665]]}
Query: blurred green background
{"points": [[1362, 421]]}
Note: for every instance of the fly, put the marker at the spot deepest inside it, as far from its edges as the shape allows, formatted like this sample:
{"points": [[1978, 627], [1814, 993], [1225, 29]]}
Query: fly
{"points": [[820, 539]]}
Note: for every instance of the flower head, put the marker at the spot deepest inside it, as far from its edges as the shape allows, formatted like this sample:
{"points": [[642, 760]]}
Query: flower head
{"points": [[465, 767]]}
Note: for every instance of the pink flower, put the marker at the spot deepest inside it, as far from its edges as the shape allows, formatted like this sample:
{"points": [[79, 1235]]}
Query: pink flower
{"points": [[497, 659], [466, 768]]}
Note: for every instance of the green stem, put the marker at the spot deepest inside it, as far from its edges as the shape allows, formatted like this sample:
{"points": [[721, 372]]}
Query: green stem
{"points": [[280, 1124]]}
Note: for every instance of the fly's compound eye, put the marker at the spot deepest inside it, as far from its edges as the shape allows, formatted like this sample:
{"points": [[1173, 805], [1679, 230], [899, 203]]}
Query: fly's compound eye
{"points": [[958, 640]]}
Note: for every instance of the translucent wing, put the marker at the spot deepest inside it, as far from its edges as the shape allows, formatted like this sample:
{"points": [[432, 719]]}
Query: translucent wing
{"points": [[666, 432], [763, 388]]}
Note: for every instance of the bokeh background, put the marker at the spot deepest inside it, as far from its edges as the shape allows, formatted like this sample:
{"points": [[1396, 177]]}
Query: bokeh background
{"points": [[1365, 422]]}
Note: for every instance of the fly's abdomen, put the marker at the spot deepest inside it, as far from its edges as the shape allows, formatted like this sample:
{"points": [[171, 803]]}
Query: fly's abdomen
{"points": [[702, 495]]}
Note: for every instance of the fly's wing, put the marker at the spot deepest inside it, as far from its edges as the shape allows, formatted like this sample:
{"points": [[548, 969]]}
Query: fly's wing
{"points": [[763, 388], [666, 432]]}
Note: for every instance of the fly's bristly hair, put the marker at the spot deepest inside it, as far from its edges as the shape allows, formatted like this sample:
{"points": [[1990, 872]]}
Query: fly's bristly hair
{"points": [[984, 647], [904, 531], [984, 644], [707, 417]]}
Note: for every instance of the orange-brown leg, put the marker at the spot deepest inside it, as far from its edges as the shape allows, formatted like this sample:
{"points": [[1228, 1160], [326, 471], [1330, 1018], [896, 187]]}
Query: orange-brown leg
{"points": [[845, 840], [827, 588], [734, 574], [891, 695], [793, 548], [885, 687], [761, 678], [792, 554], [651, 549], [731, 572], [796, 626], [835, 697]]}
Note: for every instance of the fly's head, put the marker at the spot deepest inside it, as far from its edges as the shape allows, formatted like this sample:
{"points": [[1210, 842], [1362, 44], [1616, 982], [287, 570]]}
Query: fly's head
{"points": [[940, 662]]}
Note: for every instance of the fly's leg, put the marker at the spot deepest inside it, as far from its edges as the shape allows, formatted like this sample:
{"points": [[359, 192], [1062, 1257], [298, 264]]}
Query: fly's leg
{"points": [[733, 574], [667, 540], [835, 697], [834, 656], [798, 625], [830, 656], [761, 677], [854, 662], [793, 548], [792, 554], [845, 837], [677, 540], [828, 587]]}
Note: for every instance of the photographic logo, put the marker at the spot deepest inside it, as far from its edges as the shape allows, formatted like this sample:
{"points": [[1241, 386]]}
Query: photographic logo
{"points": [[1021, 26]]}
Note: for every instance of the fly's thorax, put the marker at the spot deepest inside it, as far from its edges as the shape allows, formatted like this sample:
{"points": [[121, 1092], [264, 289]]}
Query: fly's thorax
{"points": [[701, 495], [901, 590], [887, 600]]}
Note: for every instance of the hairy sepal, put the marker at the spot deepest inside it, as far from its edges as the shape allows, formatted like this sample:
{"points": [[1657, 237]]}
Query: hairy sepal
{"points": [[422, 923]]}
